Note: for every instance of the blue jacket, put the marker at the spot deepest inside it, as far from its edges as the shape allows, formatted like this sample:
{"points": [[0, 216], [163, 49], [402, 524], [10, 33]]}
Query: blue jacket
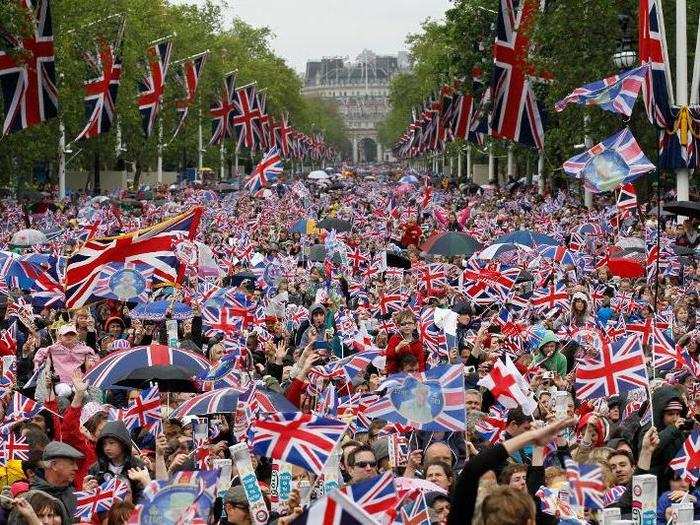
{"points": [[665, 502]]}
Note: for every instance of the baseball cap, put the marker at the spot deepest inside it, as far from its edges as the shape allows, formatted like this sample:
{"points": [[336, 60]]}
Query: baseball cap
{"points": [[67, 329]]}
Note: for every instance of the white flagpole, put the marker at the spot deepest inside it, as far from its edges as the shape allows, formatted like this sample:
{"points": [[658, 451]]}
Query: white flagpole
{"points": [[160, 152], [469, 162], [588, 141], [200, 149], [682, 174], [221, 161], [61, 160]]}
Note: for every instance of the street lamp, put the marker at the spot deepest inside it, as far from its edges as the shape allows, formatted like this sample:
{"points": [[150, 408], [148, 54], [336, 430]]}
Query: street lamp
{"points": [[624, 58]]}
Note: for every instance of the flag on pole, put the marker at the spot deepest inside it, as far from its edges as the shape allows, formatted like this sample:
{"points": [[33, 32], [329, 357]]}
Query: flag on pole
{"points": [[266, 171], [508, 386], [586, 483], [687, 460]]}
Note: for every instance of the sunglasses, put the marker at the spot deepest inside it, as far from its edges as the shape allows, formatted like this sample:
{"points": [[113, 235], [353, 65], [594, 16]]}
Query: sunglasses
{"points": [[365, 464]]}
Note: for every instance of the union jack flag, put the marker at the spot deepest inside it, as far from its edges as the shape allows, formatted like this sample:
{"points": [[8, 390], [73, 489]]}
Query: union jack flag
{"points": [[304, 440], [221, 320], [492, 427], [432, 338], [152, 85], [387, 303], [221, 111], [656, 89], [14, 447], [553, 296], [586, 483], [152, 246], [266, 171], [687, 461], [334, 508], [245, 116], [20, 409], [377, 495], [431, 400], [516, 112], [144, 411], [282, 133], [188, 78], [486, 282], [101, 499], [432, 277], [101, 92], [666, 354], [619, 368], [645, 330], [617, 93], [27, 73], [418, 515], [626, 201]]}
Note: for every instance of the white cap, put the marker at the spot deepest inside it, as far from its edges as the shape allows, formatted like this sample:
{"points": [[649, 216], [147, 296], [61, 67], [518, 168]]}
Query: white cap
{"points": [[67, 329]]}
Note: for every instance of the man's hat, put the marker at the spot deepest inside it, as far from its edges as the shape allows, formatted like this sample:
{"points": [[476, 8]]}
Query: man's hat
{"points": [[58, 449]]}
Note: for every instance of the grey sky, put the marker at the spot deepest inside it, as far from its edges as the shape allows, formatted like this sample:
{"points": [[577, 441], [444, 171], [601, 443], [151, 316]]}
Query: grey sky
{"points": [[308, 29]]}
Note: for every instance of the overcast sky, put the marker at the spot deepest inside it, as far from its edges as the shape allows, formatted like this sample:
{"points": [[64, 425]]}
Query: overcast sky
{"points": [[311, 29]]}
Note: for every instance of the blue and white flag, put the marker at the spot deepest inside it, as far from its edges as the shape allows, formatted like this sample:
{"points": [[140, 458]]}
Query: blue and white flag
{"points": [[615, 161], [617, 93], [431, 400]]}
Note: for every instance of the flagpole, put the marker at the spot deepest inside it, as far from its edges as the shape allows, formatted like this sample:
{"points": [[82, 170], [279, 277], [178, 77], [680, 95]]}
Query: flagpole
{"points": [[469, 162], [511, 164], [492, 165], [682, 174], [200, 149], [160, 151], [221, 161], [61, 160], [588, 141], [459, 165], [540, 173]]}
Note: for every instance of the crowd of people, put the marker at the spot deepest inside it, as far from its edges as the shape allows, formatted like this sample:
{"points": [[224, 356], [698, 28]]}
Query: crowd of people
{"points": [[308, 302]]}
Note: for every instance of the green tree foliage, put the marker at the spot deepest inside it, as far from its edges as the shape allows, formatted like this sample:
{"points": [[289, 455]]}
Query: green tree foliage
{"points": [[232, 46]]}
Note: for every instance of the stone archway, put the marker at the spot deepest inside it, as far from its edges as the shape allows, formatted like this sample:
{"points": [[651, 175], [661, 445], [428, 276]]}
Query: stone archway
{"points": [[366, 147], [368, 150]]}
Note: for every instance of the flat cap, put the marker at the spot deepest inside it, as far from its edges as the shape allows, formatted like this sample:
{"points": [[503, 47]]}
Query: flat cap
{"points": [[236, 495], [58, 449]]}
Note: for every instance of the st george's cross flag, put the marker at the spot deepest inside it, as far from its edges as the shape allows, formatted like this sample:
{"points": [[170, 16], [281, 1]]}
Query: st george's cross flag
{"points": [[377, 496], [508, 386], [687, 460], [430, 400], [153, 246], [303, 440], [616, 160], [334, 509], [617, 93], [586, 484], [619, 367]]}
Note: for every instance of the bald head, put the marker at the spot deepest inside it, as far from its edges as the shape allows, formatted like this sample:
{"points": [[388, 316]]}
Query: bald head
{"points": [[438, 451]]}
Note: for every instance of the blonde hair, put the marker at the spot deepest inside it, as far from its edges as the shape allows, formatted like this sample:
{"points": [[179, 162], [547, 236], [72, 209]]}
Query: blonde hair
{"points": [[403, 315], [506, 506]]}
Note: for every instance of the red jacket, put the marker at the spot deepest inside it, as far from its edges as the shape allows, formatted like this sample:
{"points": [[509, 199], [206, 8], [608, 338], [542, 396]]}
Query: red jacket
{"points": [[411, 235], [67, 429], [393, 357]]}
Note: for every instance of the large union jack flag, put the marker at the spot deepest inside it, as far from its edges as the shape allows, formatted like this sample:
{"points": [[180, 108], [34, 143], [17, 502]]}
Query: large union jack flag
{"points": [[282, 132], [188, 77], [27, 71], [486, 282], [687, 461], [656, 89], [246, 116], [553, 296], [516, 113], [304, 440], [152, 246], [221, 111], [617, 93], [586, 483], [265, 171], [101, 91], [377, 496], [334, 509], [152, 85], [619, 368], [431, 400]]}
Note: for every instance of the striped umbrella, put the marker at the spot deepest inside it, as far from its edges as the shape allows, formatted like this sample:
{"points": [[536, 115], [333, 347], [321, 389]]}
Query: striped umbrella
{"points": [[118, 365], [220, 401]]}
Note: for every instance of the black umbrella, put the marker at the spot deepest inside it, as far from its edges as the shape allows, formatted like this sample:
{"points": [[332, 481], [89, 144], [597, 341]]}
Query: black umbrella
{"points": [[317, 253], [685, 208], [396, 260], [338, 225], [170, 378], [451, 244], [237, 279]]}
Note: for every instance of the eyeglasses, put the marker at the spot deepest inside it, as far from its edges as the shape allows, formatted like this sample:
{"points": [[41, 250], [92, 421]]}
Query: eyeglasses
{"points": [[365, 464]]}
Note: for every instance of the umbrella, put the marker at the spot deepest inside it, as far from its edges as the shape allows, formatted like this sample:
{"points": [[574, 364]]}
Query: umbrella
{"points": [[28, 237], [220, 401], [396, 260], [527, 237], [626, 267], [409, 179], [559, 254], [338, 225], [318, 175], [317, 253], [684, 208], [169, 379], [494, 250], [118, 365], [156, 310], [271, 401], [237, 279], [307, 226], [99, 199], [450, 244]]}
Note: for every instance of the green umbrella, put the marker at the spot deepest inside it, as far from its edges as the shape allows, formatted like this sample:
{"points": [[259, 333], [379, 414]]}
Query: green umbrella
{"points": [[451, 244]]}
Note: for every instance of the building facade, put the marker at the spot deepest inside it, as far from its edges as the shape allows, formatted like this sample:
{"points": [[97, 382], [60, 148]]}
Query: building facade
{"points": [[361, 90]]}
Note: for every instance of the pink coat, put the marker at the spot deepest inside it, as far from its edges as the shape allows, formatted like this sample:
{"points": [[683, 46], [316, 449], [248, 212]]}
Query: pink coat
{"points": [[65, 360]]}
